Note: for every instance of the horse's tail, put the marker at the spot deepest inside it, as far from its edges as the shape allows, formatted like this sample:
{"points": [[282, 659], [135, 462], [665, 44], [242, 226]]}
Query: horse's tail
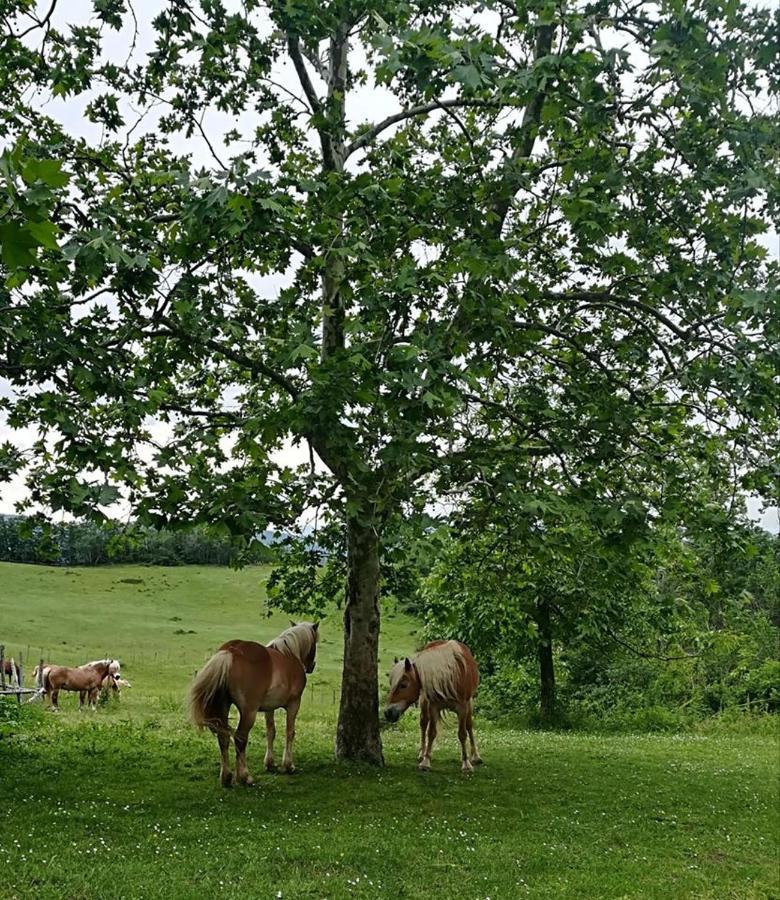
{"points": [[209, 691]]}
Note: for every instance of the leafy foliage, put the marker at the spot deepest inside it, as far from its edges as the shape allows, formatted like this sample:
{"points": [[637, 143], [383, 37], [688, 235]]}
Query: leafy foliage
{"points": [[648, 634]]}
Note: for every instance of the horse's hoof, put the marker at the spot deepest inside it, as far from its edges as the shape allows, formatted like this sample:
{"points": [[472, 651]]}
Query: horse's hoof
{"points": [[226, 780], [424, 767], [468, 769], [477, 761], [247, 781], [289, 770], [270, 766]]}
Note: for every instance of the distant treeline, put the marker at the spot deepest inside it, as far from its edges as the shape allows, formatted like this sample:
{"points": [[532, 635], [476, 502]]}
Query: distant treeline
{"points": [[90, 544]]}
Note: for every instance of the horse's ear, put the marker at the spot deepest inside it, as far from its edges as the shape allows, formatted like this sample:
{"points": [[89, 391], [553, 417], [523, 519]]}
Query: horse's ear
{"points": [[395, 660], [316, 626], [407, 664], [292, 623]]}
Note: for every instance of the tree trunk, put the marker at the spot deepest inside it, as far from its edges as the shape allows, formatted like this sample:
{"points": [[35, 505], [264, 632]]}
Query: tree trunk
{"points": [[545, 653], [357, 735]]}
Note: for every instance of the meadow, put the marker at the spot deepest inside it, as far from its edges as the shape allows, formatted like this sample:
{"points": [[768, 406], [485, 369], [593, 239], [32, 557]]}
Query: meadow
{"points": [[124, 802]]}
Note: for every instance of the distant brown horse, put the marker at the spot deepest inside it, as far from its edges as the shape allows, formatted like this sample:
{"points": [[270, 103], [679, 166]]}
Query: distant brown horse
{"points": [[86, 680], [443, 676], [254, 678], [10, 669]]}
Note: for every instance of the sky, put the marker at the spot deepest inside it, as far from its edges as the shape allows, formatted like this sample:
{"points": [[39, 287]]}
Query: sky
{"points": [[368, 104]]}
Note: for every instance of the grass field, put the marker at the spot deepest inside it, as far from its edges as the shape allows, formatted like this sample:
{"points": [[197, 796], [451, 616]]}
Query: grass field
{"points": [[125, 803]]}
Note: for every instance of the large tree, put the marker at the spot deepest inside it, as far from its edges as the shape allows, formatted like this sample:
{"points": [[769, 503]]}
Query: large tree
{"points": [[564, 190]]}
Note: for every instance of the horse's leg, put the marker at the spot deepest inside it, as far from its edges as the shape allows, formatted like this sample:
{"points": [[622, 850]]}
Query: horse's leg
{"points": [[54, 699], [476, 759], [241, 739], [462, 734], [82, 695], [292, 711], [433, 721], [423, 727], [220, 727], [270, 735], [93, 698]]}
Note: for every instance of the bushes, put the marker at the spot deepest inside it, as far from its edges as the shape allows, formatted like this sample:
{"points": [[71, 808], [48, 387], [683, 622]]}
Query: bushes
{"points": [[734, 671], [17, 717]]}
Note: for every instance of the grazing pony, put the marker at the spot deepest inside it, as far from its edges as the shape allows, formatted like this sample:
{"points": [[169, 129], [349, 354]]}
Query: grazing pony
{"points": [[112, 686], [443, 676], [113, 673], [86, 680], [254, 678]]}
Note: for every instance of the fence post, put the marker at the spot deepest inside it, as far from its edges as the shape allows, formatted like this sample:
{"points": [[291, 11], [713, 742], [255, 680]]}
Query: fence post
{"points": [[39, 676], [2, 667], [20, 674], [15, 679]]}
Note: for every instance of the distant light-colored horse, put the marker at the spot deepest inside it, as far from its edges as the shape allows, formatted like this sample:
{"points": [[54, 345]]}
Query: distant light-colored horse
{"points": [[111, 687], [86, 680], [442, 676], [254, 678]]}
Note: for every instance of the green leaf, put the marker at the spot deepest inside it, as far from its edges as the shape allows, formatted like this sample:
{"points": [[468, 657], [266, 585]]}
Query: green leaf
{"points": [[16, 246], [44, 233], [49, 171], [468, 75], [109, 494]]}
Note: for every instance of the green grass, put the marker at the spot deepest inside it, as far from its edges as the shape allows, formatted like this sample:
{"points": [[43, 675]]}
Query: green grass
{"points": [[125, 802]]}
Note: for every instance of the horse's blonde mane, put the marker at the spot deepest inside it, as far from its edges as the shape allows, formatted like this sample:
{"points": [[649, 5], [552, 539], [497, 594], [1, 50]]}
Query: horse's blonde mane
{"points": [[296, 641], [113, 665], [439, 669]]}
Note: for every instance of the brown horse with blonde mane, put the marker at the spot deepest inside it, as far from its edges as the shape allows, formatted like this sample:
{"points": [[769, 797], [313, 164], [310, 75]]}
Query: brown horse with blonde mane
{"points": [[85, 679], [110, 681], [443, 676], [254, 678]]}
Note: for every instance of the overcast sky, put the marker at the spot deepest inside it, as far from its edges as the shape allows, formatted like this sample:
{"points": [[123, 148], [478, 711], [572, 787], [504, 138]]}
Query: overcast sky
{"points": [[365, 104]]}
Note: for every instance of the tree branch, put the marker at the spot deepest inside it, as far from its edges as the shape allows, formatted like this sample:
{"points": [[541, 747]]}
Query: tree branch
{"points": [[528, 131], [606, 298], [643, 653], [294, 49], [456, 103], [247, 362], [39, 23]]}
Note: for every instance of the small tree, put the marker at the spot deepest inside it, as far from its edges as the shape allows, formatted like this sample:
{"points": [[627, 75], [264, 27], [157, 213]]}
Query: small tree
{"points": [[571, 189], [528, 571]]}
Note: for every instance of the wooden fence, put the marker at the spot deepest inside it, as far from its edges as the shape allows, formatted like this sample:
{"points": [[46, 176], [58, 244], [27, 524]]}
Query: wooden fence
{"points": [[12, 680]]}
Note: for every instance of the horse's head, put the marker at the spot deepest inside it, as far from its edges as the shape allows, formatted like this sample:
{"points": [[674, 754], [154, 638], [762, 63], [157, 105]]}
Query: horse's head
{"points": [[311, 657], [404, 689]]}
